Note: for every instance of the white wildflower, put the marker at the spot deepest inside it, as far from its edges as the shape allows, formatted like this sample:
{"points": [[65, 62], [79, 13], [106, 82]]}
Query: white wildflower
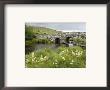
{"points": [[63, 58], [45, 57], [41, 58], [32, 54], [33, 59], [27, 60], [55, 63], [63, 51], [78, 53], [71, 63], [73, 53]]}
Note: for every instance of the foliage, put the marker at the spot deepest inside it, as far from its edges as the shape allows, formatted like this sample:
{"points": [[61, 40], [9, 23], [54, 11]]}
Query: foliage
{"points": [[63, 57], [80, 41], [43, 41], [29, 39]]}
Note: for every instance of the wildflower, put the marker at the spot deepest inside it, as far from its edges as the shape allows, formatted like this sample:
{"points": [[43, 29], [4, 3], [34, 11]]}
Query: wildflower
{"points": [[32, 54], [73, 53], [32, 59], [45, 57], [55, 63], [63, 58], [71, 63], [27, 60], [67, 50], [63, 51], [78, 53], [41, 58]]}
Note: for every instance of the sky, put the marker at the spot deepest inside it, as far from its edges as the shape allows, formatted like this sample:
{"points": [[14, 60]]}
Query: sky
{"points": [[63, 26]]}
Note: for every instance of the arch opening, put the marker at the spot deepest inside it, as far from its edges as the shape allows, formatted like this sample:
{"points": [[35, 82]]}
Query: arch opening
{"points": [[68, 39], [57, 41]]}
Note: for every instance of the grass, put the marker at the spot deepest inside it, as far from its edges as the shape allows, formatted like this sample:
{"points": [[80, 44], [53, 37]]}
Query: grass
{"points": [[41, 30], [63, 57]]}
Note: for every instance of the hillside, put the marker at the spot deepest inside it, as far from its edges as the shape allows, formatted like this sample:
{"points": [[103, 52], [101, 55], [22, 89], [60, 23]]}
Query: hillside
{"points": [[42, 30]]}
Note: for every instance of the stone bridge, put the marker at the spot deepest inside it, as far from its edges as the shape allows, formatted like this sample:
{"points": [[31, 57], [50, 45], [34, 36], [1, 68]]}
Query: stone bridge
{"points": [[60, 39]]}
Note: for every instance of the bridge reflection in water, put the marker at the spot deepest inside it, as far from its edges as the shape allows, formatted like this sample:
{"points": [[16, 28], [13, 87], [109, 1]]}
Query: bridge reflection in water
{"points": [[42, 46], [58, 42]]}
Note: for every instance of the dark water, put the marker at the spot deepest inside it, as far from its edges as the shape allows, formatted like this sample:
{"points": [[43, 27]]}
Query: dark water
{"points": [[42, 46]]}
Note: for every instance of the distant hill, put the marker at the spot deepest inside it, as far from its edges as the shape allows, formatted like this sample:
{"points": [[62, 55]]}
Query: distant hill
{"points": [[42, 30]]}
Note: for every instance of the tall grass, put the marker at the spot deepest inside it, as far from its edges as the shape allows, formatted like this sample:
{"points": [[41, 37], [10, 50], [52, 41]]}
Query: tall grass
{"points": [[63, 57]]}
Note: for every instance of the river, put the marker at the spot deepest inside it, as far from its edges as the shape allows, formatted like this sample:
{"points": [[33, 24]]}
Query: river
{"points": [[42, 46]]}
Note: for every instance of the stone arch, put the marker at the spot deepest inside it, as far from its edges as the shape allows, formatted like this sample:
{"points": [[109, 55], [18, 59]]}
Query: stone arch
{"points": [[67, 39], [57, 40]]}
